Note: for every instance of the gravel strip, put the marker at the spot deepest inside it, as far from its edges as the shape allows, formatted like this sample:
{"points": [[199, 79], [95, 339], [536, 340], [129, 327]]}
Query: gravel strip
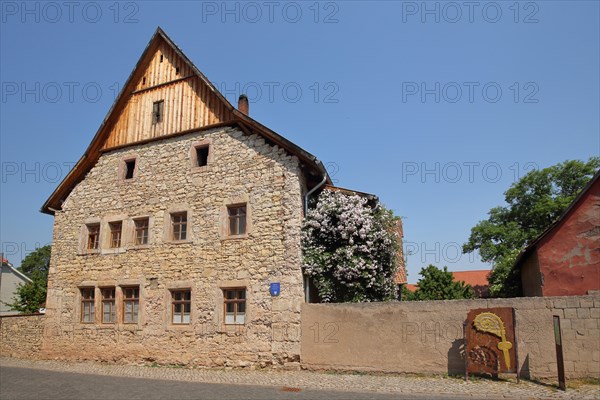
{"points": [[325, 381]]}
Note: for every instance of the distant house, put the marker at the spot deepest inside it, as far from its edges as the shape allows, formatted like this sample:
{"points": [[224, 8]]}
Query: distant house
{"points": [[565, 259], [478, 279], [10, 279]]}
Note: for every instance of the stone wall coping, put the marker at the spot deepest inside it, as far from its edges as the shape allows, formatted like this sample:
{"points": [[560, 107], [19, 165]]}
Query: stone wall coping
{"points": [[22, 315]]}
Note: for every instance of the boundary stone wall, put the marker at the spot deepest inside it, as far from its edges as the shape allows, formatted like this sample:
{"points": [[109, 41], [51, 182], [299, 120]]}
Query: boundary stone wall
{"points": [[21, 335], [427, 337]]}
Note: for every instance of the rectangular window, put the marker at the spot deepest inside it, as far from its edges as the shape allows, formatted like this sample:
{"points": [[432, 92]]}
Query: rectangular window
{"points": [[237, 219], [108, 305], [131, 304], [235, 306], [93, 239], [181, 301], [141, 231], [87, 305], [179, 226], [157, 111], [202, 156], [115, 234], [129, 169]]}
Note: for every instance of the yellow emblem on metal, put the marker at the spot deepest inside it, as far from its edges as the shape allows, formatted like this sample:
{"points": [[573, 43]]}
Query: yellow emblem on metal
{"points": [[491, 323]]}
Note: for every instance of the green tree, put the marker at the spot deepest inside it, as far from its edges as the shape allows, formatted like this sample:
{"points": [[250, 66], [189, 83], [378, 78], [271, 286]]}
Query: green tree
{"points": [[36, 262], [438, 284], [533, 203], [32, 295]]}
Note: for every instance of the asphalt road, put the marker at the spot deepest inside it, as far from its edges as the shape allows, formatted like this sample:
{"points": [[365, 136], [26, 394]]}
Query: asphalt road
{"points": [[26, 383]]}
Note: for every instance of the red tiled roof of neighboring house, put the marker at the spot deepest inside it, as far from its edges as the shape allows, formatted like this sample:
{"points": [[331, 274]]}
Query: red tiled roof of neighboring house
{"points": [[473, 278], [412, 287], [476, 278]]}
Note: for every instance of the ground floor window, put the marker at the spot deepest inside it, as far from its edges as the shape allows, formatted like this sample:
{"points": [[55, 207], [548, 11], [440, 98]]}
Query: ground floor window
{"points": [[131, 304], [235, 305], [181, 305], [87, 305], [108, 305]]}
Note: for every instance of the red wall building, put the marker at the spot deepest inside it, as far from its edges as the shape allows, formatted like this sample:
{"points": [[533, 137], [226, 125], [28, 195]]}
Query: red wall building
{"points": [[565, 259]]}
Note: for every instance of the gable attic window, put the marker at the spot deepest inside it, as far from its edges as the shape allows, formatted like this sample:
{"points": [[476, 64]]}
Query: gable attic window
{"points": [[202, 156], [161, 58], [177, 71], [129, 169], [158, 111]]}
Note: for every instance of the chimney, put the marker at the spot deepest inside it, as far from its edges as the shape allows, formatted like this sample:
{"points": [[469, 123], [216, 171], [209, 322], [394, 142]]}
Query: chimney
{"points": [[243, 104]]}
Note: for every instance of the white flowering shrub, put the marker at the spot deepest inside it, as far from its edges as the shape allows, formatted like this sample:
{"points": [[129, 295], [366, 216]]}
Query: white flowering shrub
{"points": [[349, 249]]}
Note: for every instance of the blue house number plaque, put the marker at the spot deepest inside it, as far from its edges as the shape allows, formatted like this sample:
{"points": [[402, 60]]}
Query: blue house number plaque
{"points": [[274, 288]]}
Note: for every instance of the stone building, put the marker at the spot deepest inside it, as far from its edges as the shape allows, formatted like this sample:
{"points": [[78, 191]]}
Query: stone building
{"points": [[177, 234]]}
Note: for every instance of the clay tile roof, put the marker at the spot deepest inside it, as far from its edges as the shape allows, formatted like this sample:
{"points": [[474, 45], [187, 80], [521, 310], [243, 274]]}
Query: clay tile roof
{"points": [[400, 277], [478, 279], [412, 287], [473, 278]]}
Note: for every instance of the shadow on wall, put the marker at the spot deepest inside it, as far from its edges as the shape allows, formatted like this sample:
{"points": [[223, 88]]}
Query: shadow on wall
{"points": [[524, 372], [456, 358]]}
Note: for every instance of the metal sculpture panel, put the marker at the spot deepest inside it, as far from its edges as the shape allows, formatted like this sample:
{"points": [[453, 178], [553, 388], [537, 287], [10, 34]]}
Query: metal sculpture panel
{"points": [[490, 338]]}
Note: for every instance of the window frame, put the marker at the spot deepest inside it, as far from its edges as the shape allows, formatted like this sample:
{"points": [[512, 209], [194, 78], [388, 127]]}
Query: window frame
{"points": [[97, 241], [193, 154], [128, 163], [235, 301], [134, 300], [237, 217], [173, 224], [135, 230], [111, 301], [113, 232], [130, 158], [183, 302], [158, 112], [87, 303]]}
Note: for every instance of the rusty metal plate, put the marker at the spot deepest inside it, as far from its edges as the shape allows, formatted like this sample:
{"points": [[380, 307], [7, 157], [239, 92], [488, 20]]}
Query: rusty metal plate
{"points": [[490, 336]]}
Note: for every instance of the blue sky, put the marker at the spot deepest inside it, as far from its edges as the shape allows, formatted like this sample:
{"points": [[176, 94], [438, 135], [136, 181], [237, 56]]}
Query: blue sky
{"points": [[436, 107]]}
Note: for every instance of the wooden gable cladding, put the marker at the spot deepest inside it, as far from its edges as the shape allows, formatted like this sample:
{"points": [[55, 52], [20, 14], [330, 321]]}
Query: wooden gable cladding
{"points": [[191, 103], [188, 102], [165, 65]]}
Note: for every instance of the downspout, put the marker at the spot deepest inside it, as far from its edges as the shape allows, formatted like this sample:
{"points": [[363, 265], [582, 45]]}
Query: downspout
{"points": [[311, 192], [306, 196]]}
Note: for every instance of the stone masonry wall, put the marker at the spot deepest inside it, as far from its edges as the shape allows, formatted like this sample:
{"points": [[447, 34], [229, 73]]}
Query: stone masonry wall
{"points": [[21, 335], [241, 169], [426, 337]]}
